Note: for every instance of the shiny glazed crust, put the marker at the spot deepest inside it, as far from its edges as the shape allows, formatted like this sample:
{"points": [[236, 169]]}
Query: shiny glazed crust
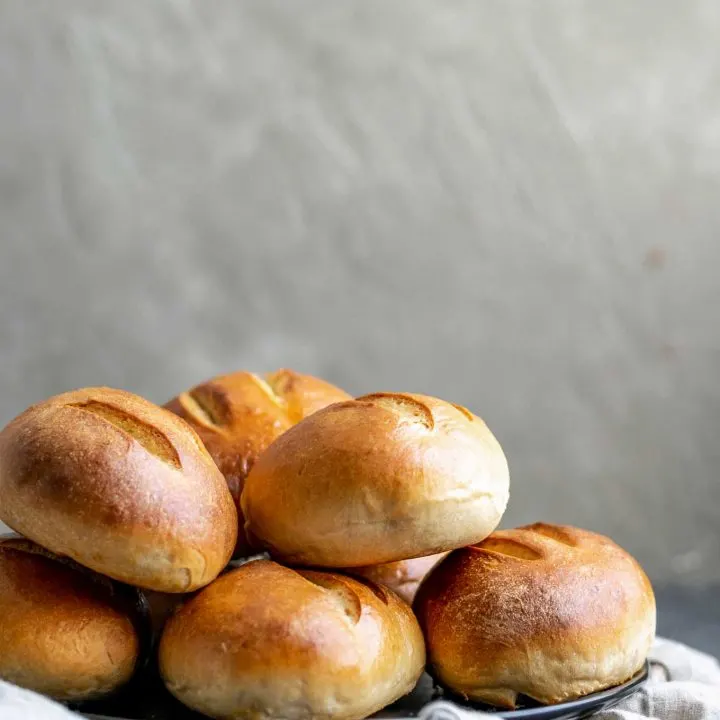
{"points": [[265, 641], [386, 477], [238, 415], [120, 485], [547, 611], [63, 630]]}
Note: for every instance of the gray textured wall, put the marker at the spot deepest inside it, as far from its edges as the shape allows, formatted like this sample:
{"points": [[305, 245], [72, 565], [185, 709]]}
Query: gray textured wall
{"points": [[511, 205]]}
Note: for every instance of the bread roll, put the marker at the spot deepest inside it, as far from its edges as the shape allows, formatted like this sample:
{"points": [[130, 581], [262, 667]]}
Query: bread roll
{"points": [[382, 478], [64, 631], [402, 577], [264, 641], [546, 611], [237, 416], [120, 485]]}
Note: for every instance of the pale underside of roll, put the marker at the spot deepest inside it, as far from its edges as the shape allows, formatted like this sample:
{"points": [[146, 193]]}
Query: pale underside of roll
{"points": [[267, 641], [379, 479]]}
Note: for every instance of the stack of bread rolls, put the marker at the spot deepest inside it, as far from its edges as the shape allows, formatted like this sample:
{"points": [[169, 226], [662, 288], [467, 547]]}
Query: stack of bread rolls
{"points": [[133, 521]]}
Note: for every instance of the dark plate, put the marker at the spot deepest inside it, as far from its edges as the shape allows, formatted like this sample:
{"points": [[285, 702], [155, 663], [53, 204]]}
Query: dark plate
{"points": [[411, 705], [146, 699]]}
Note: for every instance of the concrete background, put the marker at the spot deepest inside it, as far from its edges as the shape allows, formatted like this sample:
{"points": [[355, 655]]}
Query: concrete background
{"points": [[512, 205]]}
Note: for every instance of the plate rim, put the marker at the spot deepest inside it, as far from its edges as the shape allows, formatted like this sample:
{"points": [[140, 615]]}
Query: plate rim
{"points": [[580, 707], [583, 704]]}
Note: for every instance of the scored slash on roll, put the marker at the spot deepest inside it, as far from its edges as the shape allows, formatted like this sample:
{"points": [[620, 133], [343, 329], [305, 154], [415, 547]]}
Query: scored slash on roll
{"points": [[350, 501]]}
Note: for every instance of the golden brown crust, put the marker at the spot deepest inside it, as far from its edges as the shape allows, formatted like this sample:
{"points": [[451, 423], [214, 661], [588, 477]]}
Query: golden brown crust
{"points": [[120, 485], [237, 416], [65, 631], [265, 641], [547, 611], [402, 577], [386, 477]]}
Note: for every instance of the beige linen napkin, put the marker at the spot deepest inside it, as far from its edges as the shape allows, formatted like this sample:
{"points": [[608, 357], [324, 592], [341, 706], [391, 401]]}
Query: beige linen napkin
{"points": [[684, 685]]}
